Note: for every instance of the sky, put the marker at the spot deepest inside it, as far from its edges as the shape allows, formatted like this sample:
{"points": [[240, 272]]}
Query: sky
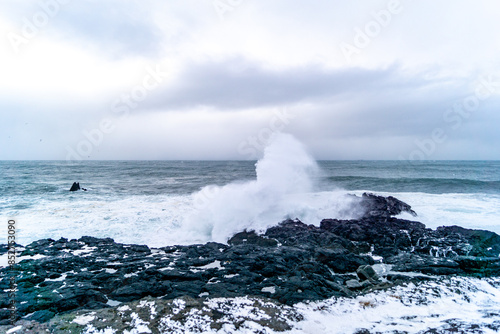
{"points": [[214, 79]]}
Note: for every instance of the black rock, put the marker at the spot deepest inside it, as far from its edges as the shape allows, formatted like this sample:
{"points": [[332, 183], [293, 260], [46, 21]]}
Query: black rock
{"points": [[484, 243], [367, 272], [252, 238], [41, 316], [291, 262], [75, 186], [379, 206]]}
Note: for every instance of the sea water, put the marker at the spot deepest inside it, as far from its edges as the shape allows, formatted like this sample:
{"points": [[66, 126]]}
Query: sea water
{"points": [[161, 203]]}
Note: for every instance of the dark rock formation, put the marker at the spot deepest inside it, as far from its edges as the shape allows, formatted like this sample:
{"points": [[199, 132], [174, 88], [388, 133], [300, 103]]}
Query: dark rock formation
{"points": [[367, 273], [289, 263], [75, 186], [379, 206]]}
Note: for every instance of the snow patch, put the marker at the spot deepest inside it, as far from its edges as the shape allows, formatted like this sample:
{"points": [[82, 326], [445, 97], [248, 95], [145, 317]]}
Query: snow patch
{"points": [[270, 289], [113, 303], [124, 308], [78, 252], [84, 319], [214, 265], [14, 329], [4, 258]]}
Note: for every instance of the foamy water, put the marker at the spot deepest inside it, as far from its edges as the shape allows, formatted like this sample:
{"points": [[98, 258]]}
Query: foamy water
{"points": [[167, 220], [158, 204]]}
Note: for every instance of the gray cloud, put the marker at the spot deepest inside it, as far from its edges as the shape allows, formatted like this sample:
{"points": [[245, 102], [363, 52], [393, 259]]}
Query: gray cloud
{"points": [[238, 83], [228, 76]]}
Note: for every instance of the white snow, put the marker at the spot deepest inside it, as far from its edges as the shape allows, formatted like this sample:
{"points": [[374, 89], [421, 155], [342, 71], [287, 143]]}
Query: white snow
{"points": [[151, 305], [179, 306], [123, 308], [112, 303], [270, 289], [140, 326], [14, 329], [84, 250], [214, 265], [92, 330], [84, 319]]}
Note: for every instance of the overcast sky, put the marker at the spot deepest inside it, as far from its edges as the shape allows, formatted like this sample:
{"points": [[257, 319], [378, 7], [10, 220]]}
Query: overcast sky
{"points": [[211, 79]]}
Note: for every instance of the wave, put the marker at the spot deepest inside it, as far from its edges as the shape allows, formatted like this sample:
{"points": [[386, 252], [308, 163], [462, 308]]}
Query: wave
{"points": [[425, 185], [178, 207], [285, 177]]}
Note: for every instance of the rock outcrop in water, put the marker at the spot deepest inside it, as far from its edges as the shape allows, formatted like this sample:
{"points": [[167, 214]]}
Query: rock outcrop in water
{"points": [[75, 186], [289, 263], [383, 207]]}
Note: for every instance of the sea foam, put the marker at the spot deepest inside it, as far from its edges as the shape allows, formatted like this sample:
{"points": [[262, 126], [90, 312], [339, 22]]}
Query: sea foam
{"points": [[284, 175]]}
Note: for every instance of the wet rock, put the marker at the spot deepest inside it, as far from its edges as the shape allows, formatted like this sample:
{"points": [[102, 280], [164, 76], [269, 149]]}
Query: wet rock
{"points": [[484, 266], [367, 272], [484, 243], [41, 316], [387, 236], [75, 186], [291, 262], [353, 284], [185, 314], [385, 207], [251, 237]]}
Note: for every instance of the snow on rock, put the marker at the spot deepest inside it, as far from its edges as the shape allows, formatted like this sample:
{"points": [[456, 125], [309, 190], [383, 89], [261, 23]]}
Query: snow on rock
{"points": [[84, 319]]}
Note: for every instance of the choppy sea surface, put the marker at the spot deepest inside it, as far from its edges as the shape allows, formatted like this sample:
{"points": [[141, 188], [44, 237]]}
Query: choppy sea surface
{"points": [[169, 202], [161, 203]]}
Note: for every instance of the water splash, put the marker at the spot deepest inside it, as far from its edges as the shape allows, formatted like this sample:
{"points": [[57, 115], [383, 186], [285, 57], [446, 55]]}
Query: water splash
{"points": [[285, 171]]}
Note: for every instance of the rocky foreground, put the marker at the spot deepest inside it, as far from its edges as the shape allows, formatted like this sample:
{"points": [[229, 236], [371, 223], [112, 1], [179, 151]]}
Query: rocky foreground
{"points": [[59, 279]]}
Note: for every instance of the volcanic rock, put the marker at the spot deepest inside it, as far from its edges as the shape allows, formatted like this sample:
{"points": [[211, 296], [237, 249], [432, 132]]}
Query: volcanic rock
{"points": [[291, 262]]}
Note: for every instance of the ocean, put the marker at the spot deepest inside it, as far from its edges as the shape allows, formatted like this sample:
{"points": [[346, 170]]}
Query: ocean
{"points": [[160, 203]]}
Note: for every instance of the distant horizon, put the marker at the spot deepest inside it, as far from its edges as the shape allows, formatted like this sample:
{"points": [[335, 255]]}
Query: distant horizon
{"points": [[219, 160]]}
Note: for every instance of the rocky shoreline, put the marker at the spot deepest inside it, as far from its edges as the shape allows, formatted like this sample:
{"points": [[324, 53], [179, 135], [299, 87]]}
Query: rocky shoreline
{"points": [[289, 263]]}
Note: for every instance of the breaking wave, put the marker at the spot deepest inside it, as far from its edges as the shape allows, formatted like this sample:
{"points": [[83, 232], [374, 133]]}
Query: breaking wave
{"points": [[284, 188]]}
